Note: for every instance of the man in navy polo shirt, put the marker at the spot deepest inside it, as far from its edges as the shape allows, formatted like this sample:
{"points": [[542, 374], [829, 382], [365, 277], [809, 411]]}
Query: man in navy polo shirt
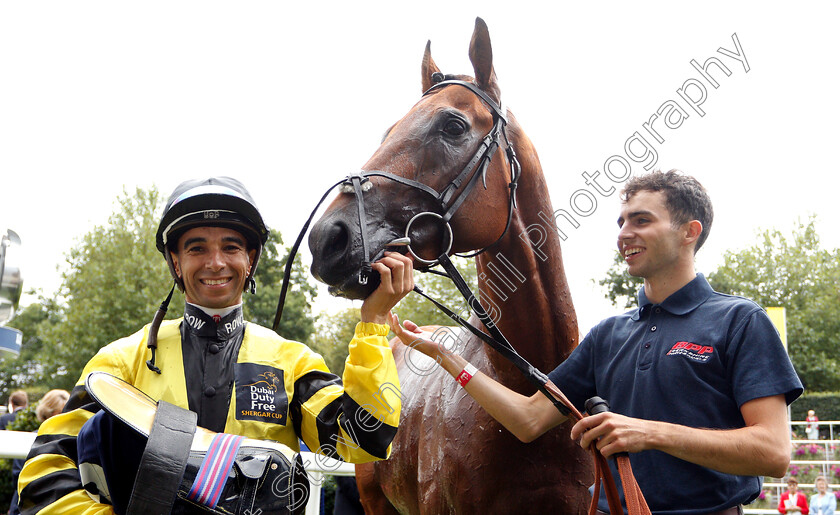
{"points": [[698, 382]]}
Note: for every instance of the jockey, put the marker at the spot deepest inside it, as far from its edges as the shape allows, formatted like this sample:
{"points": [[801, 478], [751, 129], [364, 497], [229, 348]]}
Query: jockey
{"points": [[238, 377]]}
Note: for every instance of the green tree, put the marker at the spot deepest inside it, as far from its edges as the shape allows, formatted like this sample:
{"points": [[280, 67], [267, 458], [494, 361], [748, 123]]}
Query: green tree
{"points": [[26, 370], [25, 420], [796, 273], [619, 286], [417, 309], [114, 281], [297, 322], [333, 333]]}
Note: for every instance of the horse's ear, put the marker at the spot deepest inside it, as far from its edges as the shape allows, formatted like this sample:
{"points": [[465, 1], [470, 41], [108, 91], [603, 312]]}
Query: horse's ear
{"points": [[481, 56], [428, 68]]}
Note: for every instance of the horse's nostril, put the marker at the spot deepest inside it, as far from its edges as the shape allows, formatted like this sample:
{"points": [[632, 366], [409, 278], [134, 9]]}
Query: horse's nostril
{"points": [[337, 239]]}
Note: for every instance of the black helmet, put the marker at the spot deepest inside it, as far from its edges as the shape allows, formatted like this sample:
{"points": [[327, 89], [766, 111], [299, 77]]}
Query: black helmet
{"points": [[217, 201]]}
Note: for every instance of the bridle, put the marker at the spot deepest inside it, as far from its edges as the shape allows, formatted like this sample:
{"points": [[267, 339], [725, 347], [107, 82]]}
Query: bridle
{"points": [[449, 203], [448, 199]]}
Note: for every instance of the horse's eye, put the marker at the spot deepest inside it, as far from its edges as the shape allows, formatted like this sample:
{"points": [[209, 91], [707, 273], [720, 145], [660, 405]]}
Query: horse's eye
{"points": [[455, 127]]}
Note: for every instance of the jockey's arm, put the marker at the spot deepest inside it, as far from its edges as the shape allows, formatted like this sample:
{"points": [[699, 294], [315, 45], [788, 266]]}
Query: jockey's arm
{"points": [[526, 417]]}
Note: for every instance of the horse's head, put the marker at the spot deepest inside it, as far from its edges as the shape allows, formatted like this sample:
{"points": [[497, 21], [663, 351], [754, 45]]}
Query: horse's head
{"points": [[436, 179]]}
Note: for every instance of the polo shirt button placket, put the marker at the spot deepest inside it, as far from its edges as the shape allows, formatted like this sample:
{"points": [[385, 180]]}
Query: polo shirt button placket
{"points": [[645, 358]]}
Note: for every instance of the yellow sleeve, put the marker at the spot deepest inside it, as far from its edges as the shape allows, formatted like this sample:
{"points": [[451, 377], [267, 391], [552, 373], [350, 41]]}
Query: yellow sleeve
{"points": [[49, 481], [358, 420]]}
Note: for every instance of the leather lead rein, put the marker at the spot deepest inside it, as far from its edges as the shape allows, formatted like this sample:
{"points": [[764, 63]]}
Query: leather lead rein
{"points": [[634, 499]]}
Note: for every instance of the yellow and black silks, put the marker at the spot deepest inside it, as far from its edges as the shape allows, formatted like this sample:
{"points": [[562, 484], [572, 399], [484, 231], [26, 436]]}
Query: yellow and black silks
{"points": [[282, 391]]}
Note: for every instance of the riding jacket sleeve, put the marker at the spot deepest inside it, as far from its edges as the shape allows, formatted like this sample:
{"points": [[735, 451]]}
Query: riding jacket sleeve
{"points": [[280, 390]]}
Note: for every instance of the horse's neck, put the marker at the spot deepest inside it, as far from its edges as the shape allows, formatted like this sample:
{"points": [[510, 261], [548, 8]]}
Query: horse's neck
{"points": [[526, 283]]}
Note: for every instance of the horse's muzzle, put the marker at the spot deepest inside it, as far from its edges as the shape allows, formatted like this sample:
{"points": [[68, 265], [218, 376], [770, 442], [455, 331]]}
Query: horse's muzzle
{"points": [[337, 259]]}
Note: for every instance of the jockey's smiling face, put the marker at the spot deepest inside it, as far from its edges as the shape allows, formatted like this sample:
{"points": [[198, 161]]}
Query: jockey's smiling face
{"points": [[214, 263]]}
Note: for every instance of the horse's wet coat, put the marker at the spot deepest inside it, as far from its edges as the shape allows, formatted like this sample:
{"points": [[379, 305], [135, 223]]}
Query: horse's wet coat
{"points": [[449, 456]]}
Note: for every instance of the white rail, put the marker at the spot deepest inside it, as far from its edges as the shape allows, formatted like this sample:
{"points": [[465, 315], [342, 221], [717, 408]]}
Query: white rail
{"points": [[16, 444], [822, 423]]}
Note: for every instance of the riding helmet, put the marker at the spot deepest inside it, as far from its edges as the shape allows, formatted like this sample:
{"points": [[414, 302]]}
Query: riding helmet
{"points": [[217, 201]]}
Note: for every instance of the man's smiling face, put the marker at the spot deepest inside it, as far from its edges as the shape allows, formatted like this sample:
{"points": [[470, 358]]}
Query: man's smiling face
{"points": [[214, 263], [647, 240]]}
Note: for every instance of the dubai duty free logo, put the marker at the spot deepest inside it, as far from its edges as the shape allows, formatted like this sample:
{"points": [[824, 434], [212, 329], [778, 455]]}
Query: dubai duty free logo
{"points": [[260, 393]]}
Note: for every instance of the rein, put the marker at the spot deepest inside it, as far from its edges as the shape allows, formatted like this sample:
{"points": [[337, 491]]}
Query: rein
{"points": [[633, 497], [357, 183]]}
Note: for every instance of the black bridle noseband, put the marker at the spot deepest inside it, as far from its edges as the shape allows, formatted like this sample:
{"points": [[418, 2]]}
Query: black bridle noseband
{"points": [[446, 199], [449, 204]]}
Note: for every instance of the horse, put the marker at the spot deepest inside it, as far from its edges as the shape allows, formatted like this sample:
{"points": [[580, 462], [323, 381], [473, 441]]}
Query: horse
{"points": [[449, 455]]}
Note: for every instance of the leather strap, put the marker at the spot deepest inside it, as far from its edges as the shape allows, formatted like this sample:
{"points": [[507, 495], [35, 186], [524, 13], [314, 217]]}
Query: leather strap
{"points": [[633, 497], [477, 165], [290, 261], [164, 460], [211, 477]]}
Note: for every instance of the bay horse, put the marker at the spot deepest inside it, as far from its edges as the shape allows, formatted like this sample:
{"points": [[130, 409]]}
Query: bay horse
{"points": [[449, 455]]}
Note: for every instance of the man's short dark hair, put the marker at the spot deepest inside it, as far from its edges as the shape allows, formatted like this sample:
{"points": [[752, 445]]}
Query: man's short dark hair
{"points": [[685, 198], [19, 399]]}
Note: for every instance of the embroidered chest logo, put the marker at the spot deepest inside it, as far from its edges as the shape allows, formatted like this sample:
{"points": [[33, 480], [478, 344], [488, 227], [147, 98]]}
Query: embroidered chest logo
{"points": [[692, 351], [260, 394]]}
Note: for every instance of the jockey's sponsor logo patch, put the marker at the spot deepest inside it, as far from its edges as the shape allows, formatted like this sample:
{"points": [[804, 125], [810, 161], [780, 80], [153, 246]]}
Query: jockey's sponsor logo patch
{"points": [[260, 393], [692, 351]]}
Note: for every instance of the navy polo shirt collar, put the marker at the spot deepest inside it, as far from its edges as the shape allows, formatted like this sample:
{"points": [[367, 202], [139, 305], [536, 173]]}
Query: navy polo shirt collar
{"points": [[682, 301]]}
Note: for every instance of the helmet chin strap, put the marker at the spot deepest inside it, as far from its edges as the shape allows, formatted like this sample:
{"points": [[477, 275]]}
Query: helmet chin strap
{"points": [[151, 341], [171, 264]]}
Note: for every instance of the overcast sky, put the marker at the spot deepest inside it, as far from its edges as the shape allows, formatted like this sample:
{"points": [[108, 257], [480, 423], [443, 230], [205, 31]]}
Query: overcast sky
{"points": [[98, 96]]}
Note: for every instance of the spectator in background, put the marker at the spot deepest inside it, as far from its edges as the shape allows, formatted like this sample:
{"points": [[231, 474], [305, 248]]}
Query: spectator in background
{"points": [[793, 501], [347, 497], [823, 502], [812, 428], [50, 404], [17, 401]]}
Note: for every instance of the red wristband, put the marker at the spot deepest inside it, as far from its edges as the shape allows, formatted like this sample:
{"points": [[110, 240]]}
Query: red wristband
{"points": [[464, 377]]}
